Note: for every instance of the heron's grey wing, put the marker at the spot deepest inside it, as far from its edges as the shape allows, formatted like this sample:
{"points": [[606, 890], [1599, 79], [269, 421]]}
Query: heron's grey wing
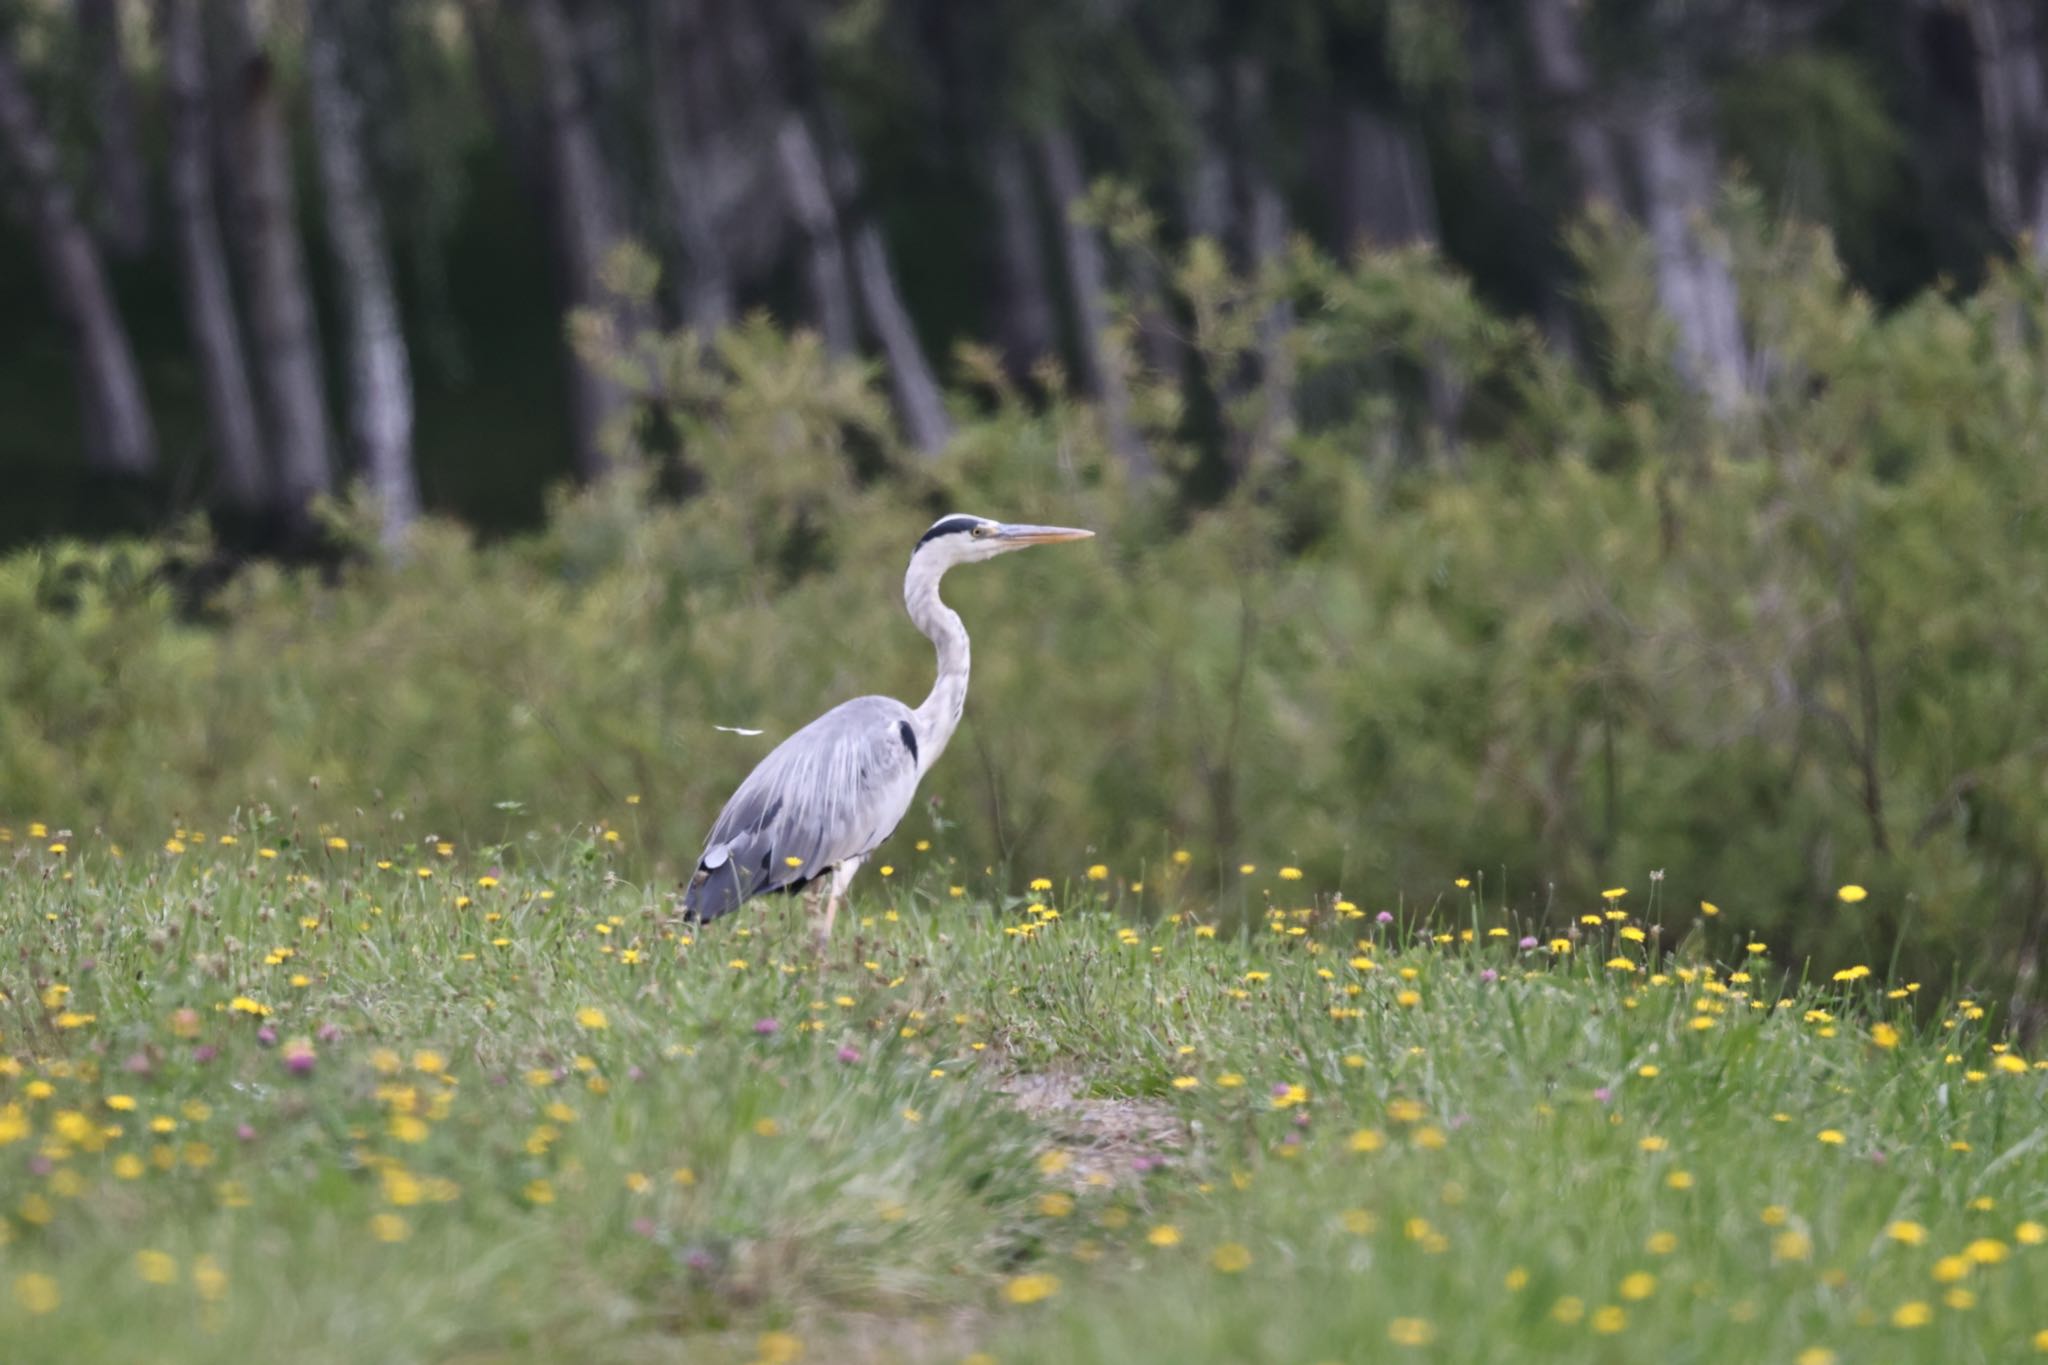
{"points": [[831, 791]]}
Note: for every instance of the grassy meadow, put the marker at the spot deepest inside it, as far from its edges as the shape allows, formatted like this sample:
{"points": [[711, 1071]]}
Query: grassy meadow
{"points": [[351, 1094]]}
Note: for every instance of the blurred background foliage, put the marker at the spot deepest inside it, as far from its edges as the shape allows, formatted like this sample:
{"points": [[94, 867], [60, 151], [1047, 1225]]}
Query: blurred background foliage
{"points": [[1541, 440], [1584, 632]]}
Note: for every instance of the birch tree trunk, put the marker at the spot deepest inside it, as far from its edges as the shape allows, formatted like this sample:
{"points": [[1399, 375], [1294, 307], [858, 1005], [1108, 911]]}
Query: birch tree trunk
{"points": [[1694, 280], [1564, 78], [119, 437], [121, 179], [809, 198], [1382, 190], [1024, 318], [1677, 173], [586, 218], [239, 478], [2012, 95], [1087, 292], [704, 287], [380, 411], [283, 332], [919, 402], [1264, 215]]}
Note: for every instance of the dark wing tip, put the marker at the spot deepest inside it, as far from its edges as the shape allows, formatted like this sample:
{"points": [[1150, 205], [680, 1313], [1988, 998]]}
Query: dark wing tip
{"points": [[713, 891]]}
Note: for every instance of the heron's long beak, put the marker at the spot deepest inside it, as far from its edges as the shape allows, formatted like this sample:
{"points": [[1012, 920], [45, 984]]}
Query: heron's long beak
{"points": [[1021, 536]]}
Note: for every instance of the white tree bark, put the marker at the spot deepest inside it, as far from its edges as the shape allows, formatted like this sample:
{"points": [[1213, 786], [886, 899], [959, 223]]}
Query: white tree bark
{"points": [[1024, 317], [586, 217], [1565, 79], [240, 480], [2012, 93], [1694, 281], [920, 404], [119, 436], [1382, 191], [704, 287], [284, 333], [809, 198], [121, 179], [1087, 292], [380, 411]]}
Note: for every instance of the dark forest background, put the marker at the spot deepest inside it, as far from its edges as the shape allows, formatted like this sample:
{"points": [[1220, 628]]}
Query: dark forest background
{"points": [[257, 248]]}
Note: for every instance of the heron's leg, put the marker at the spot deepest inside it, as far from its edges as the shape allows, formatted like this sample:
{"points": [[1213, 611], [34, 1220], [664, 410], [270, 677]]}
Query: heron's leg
{"points": [[811, 894], [842, 876]]}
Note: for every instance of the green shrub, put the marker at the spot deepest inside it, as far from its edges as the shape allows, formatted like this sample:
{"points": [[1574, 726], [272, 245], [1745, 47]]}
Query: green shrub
{"points": [[1557, 630]]}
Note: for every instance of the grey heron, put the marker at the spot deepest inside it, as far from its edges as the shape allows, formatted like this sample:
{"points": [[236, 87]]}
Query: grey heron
{"points": [[824, 798]]}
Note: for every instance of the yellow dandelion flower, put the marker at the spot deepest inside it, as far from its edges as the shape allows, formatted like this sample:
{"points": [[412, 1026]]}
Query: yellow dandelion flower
{"points": [[1411, 1332], [1024, 1289], [1949, 1269], [1054, 1204], [1814, 1355], [1639, 1285], [1987, 1251], [778, 1348], [156, 1267], [1906, 1232], [539, 1192], [2030, 1234], [1913, 1314], [1165, 1235], [389, 1227], [1850, 894], [37, 1293], [1833, 1137], [1609, 1320], [592, 1018], [1231, 1258]]}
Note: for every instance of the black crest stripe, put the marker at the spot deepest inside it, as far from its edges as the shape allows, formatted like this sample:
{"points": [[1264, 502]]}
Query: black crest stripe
{"points": [[951, 526]]}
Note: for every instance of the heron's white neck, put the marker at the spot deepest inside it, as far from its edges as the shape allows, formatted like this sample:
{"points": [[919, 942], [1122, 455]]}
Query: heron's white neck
{"points": [[939, 716]]}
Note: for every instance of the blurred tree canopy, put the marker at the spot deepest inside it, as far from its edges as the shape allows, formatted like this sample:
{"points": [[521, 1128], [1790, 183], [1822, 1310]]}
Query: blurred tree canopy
{"points": [[260, 249]]}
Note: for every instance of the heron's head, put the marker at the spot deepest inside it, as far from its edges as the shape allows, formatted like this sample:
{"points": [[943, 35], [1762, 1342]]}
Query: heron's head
{"points": [[961, 539]]}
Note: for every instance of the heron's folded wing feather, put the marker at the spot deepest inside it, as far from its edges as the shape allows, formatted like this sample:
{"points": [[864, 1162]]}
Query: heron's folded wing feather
{"points": [[831, 791]]}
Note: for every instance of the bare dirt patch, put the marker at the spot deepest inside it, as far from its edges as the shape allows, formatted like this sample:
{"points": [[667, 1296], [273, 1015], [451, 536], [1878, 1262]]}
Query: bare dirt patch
{"points": [[1107, 1141]]}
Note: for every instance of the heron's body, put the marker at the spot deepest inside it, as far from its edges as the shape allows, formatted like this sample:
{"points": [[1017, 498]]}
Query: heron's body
{"points": [[828, 795]]}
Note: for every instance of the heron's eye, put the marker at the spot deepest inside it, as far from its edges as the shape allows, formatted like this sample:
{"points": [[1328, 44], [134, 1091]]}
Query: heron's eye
{"points": [[979, 531]]}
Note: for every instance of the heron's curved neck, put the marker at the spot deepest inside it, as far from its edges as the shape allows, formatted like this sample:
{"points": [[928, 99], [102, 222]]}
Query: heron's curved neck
{"points": [[939, 716]]}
